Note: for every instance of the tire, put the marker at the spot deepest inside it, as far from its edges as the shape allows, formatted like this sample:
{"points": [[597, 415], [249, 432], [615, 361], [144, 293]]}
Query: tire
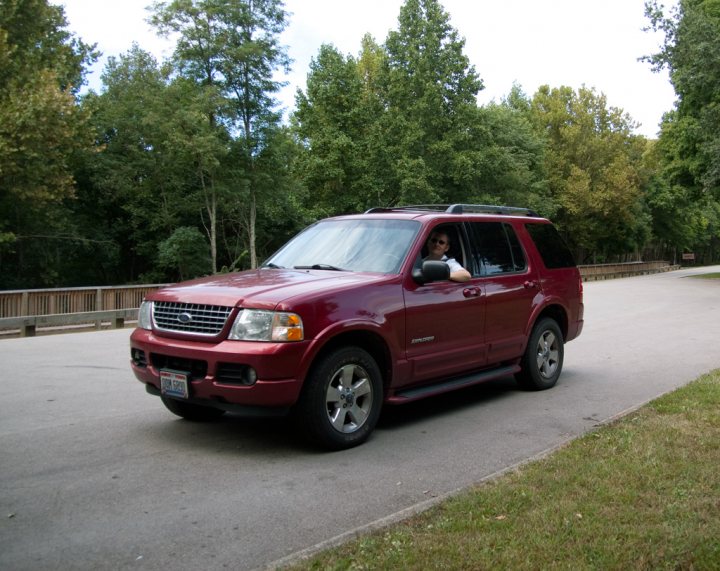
{"points": [[542, 362], [341, 401], [190, 411]]}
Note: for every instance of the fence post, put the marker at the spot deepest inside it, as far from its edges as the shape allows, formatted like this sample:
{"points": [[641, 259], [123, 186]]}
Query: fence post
{"points": [[98, 306]]}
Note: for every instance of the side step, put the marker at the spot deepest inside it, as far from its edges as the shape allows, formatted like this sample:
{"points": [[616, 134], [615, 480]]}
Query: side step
{"points": [[417, 393]]}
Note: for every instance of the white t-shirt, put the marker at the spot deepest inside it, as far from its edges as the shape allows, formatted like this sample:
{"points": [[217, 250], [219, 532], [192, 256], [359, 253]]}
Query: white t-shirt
{"points": [[453, 263]]}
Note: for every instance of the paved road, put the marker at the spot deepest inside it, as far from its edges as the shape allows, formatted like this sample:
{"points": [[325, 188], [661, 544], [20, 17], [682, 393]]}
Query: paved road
{"points": [[95, 474]]}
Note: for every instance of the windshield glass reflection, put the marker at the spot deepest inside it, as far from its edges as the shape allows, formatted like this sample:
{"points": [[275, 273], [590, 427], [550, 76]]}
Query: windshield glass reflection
{"points": [[349, 245]]}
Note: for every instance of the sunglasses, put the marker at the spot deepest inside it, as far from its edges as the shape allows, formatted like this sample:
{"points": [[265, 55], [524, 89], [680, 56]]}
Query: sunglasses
{"points": [[438, 241]]}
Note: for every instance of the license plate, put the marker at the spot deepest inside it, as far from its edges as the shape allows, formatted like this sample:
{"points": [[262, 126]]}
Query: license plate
{"points": [[174, 384]]}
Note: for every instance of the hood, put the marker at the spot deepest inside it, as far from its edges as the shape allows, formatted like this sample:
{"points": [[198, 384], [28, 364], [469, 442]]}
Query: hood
{"points": [[263, 288]]}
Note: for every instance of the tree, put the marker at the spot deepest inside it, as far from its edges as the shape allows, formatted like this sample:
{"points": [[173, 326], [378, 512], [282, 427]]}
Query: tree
{"points": [[431, 91], [504, 161], [691, 52], [184, 253], [593, 163], [41, 129], [234, 48], [689, 145], [333, 126], [154, 149], [679, 220]]}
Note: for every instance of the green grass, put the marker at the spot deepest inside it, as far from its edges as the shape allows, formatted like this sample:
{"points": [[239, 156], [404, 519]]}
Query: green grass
{"points": [[712, 276], [641, 493]]}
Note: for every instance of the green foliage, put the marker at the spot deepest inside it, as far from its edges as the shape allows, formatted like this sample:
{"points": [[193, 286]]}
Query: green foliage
{"points": [[400, 124], [41, 130], [106, 188], [692, 54], [430, 93], [688, 183], [185, 253], [593, 168], [503, 163], [33, 38], [337, 121], [232, 48], [137, 183]]}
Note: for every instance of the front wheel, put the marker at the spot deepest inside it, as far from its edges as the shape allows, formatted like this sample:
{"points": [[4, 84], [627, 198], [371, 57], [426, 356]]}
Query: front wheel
{"points": [[543, 359], [190, 411], [341, 401]]}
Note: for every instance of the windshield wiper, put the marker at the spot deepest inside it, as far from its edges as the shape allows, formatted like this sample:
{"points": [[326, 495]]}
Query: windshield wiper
{"points": [[273, 266], [319, 267]]}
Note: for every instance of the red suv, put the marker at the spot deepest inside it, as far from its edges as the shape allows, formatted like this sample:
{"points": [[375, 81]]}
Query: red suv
{"points": [[353, 313]]}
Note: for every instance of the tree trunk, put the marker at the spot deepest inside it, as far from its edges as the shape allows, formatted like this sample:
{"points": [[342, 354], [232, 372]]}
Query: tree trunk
{"points": [[211, 208], [251, 230]]}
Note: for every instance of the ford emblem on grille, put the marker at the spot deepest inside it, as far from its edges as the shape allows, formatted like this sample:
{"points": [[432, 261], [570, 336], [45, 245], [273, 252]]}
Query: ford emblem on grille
{"points": [[185, 318]]}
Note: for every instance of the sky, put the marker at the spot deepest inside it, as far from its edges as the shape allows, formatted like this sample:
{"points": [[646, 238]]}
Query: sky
{"points": [[595, 43]]}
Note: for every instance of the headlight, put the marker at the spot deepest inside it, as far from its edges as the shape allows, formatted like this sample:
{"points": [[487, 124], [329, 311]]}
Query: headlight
{"points": [[259, 325], [145, 315]]}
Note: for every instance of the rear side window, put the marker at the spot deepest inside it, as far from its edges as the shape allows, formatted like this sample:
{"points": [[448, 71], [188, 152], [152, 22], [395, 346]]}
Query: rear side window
{"points": [[496, 248], [552, 247]]}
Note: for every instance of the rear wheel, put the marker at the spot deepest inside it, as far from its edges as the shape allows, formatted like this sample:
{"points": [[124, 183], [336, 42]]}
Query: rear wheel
{"points": [[191, 411], [543, 359], [341, 401]]}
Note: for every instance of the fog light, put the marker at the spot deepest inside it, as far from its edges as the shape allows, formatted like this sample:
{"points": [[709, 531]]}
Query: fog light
{"points": [[236, 374], [251, 376]]}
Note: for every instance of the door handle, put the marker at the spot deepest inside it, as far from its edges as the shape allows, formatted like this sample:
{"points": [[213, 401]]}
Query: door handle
{"points": [[529, 284], [471, 292]]}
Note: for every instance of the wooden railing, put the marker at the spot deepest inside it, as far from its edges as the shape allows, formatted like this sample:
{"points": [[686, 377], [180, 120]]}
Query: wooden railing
{"points": [[627, 269], [26, 311]]}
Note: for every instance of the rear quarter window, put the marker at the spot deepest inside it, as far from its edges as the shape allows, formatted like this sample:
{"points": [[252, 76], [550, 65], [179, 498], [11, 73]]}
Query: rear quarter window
{"points": [[553, 250]]}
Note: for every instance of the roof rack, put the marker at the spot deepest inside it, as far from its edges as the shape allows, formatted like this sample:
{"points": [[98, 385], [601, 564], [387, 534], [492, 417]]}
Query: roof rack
{"points": [[414, 207], [459, 209]]}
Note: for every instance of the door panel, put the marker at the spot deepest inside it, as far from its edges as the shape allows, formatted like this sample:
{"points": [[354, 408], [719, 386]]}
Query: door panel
{"points": [[445, 323], [510, 287], [510, 299]]}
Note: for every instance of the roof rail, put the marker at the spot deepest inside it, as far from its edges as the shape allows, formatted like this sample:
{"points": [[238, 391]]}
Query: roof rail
{"points": [[458, 209], [413, 207], [490, 209]]}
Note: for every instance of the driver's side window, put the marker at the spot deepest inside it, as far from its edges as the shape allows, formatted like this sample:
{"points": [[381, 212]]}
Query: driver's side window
{"points": [[445, 243]]}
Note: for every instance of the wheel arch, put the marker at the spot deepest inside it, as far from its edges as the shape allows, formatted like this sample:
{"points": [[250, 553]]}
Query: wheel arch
{"points": [[369, 341], [556, 312]]}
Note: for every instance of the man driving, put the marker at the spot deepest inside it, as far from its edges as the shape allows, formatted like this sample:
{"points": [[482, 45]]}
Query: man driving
{"points": [[437, 246]]}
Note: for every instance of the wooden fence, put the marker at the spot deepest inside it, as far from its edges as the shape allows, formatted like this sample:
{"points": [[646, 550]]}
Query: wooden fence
{"points": [[27, 311], [624, 270]]}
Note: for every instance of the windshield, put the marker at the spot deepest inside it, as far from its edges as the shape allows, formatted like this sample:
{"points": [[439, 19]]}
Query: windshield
{"points": [[352, 245]]}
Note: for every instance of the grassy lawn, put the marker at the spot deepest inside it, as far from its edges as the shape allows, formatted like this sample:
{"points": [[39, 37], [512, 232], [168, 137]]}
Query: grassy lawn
{"points": [[713, 276], [641, 493]]}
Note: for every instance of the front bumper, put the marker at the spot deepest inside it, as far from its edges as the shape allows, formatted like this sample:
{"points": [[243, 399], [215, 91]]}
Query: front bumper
{"points": [[278, 367]]}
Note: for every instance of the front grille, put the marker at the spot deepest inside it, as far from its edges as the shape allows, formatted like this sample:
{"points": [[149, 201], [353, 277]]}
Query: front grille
{"points": [[196, 368], [190, 317]]}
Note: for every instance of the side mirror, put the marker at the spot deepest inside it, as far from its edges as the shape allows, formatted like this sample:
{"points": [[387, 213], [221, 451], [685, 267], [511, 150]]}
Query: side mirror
{"points": [[431, 271]]}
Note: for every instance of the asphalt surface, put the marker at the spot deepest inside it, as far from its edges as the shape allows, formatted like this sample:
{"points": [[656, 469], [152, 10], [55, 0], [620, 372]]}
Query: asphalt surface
{"points": [[96, 474]]}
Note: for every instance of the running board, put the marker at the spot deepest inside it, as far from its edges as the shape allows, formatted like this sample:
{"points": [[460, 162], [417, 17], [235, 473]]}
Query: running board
{"points": [[417, 393]]}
